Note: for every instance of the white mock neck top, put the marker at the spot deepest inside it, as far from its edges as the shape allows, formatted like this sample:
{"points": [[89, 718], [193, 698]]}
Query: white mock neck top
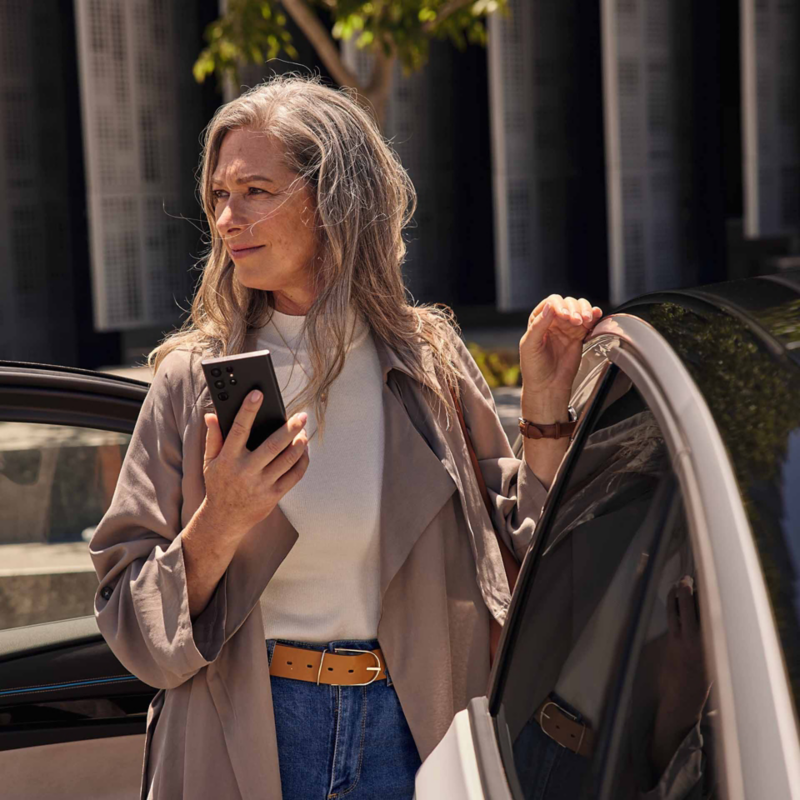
{"points": [[328, 587]]}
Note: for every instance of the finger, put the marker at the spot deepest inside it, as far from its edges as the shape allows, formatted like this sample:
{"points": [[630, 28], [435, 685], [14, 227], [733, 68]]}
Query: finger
{"points": [[689, 626], [243, 422], [538, 325], [585, 307], [287, 459], [560, 309], [574, 310], [292, 477], [213, 438], [597, 312], [672, 614], [551, 298], [277, 442]]}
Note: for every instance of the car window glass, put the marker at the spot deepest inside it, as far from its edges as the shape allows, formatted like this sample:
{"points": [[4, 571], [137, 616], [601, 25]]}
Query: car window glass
{"points": [[670, 720], [577, 616], [56, 482]]}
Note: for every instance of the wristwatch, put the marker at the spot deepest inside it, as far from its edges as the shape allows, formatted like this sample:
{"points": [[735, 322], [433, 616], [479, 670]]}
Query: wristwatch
{"points": [[555, 430]]}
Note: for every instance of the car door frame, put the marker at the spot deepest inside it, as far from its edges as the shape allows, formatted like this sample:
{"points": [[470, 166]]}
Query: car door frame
{"points": [[727, 561], [52, 394]]}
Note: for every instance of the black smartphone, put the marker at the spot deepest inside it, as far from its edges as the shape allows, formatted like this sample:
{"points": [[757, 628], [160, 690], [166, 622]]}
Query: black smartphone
{"points": [[231, 378]]}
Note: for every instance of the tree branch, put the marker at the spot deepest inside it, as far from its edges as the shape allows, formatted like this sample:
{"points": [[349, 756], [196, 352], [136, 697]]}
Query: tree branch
{"points": [[447, 10], [323, 43]]}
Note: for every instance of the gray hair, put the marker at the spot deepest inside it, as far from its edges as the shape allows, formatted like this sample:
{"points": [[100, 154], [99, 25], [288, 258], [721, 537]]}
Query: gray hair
{"points": [[364, 199]]}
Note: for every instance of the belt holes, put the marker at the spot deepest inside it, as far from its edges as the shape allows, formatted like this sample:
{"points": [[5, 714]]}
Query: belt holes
{"points": [[330, 669], [289, 663], [308, 665], [350, 670]]}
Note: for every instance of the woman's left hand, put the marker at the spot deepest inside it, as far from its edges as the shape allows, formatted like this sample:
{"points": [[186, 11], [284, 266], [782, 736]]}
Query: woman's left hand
{"points": [[550, 349]]}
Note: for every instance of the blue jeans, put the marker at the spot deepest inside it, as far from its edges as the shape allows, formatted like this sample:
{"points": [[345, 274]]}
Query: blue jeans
{"points": [[546, 770], [342, 741]]}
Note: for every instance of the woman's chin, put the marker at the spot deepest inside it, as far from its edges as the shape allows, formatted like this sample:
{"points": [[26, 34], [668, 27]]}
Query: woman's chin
{"points": [[253, 278]]}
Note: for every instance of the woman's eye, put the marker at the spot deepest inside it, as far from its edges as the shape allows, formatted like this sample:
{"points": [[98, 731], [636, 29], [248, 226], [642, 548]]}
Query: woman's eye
{"points": [[217, 193]]}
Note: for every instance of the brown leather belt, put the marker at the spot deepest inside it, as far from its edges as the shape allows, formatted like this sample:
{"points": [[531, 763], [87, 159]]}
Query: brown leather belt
{"points": [[564, 728], [357, 668]]}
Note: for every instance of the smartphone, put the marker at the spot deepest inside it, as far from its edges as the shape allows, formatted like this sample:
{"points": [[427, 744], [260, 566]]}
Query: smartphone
{"points": [[231, 378]]}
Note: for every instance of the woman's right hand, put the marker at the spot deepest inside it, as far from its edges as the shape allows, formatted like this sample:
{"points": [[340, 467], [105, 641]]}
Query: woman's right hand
{"points": [[242, 486]]}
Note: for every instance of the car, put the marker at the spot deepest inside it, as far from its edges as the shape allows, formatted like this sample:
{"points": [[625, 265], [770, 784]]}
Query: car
{"points": [[654, 621], [653, 639]]}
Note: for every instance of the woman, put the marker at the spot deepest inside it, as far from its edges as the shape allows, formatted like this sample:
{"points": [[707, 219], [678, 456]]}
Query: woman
{"points": [[229, 579]]}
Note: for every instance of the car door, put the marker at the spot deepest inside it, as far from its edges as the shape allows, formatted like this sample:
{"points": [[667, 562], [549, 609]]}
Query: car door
{"points": [[72, 719], [615, 675]]}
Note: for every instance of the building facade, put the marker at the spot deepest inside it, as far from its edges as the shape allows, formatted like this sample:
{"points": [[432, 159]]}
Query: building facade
{"points": [[605, 149]]}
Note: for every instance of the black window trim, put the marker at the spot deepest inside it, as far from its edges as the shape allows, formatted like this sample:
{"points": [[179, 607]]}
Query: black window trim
{"points": [[59, 397]]}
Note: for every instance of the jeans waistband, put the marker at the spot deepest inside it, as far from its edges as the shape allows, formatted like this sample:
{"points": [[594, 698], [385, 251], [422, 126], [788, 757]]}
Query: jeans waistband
{"points": [[330, 647]]}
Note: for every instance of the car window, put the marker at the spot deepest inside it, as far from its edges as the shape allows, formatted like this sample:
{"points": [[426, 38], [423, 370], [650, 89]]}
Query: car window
{"points": [[56, 482], [668, 720], [614, 552]]}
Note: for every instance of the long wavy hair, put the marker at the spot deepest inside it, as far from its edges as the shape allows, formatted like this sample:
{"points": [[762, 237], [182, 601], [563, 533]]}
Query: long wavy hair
{"points": [[364, 200]]}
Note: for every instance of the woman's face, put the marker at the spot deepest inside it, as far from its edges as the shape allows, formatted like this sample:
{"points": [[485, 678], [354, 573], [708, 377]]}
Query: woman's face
{"points": [[264, 214]]}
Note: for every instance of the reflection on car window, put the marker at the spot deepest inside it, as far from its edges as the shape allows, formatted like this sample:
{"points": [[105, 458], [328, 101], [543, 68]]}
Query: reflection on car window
{"points": [[56, 482], [578, 614]]}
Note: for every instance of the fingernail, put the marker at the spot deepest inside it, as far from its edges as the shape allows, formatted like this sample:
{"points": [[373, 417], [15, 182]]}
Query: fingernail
{"points": [[548, 310], [255, 396], [303, 417], [565, 311]]}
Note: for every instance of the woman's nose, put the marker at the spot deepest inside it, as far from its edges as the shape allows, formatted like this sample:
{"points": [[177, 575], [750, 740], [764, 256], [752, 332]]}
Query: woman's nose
{"points": [[232, 215]]}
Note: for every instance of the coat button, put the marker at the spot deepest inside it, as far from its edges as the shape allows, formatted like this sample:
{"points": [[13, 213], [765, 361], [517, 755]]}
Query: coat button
{"points": [[106, 592]]}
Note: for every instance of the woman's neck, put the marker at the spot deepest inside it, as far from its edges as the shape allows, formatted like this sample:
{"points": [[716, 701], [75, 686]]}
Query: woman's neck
{"points": [[293, 306]]}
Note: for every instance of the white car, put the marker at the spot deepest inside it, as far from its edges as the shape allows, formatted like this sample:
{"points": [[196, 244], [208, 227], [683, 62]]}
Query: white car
{"points": [[653, 641]]}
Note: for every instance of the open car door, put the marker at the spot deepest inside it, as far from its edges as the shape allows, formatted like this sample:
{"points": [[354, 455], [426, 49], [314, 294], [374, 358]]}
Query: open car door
{"points": [[72, 719]]}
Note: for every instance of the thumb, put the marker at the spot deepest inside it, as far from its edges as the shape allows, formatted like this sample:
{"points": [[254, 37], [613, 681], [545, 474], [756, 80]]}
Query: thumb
{"points": [[537, 326], [213, 438]]}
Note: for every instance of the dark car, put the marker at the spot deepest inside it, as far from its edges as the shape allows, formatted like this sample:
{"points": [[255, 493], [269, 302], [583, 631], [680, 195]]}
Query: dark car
{"points": [[652, 641]]}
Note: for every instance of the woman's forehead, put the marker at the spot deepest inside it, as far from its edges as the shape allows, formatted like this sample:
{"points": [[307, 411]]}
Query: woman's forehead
{"points": [[246, 152]]}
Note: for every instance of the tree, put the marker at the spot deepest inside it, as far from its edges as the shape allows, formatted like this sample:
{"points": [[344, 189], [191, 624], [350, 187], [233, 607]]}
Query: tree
{"points": [[251, 30]]}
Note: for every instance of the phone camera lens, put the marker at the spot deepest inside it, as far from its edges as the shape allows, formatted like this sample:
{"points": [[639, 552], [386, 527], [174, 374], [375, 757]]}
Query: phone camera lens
{"points": [[216, 372], [219, 384], [223, 395], [228, 369], [232, 381]]}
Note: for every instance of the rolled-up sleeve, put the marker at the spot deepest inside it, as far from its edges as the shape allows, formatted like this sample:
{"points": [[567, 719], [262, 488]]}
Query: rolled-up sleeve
{"points": [[516, 494], [142, 603]]}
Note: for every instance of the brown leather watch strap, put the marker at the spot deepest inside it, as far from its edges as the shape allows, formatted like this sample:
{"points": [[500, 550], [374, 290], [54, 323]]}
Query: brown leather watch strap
{"points": [[562, 727], [537, 430], [334, 669]]}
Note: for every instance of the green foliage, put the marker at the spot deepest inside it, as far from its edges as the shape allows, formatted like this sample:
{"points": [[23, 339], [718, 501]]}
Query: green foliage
{"points": [[253, 30], [499, 367], [250, 32]]}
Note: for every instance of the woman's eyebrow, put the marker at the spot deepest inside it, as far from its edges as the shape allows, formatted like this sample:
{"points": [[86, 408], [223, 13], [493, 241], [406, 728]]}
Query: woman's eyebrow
{"points": [[245, 179]]}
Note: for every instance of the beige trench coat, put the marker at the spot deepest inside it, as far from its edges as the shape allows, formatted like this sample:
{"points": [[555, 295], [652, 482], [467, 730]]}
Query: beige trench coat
{"points": [[210, 728]]}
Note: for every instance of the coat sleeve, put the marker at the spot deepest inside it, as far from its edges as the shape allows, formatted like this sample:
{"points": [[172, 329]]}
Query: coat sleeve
{"points": [[142, 604], [516, 493]]}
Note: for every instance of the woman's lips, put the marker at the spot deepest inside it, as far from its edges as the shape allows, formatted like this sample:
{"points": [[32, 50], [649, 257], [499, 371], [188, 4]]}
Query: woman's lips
{"points": [[246, 251]]}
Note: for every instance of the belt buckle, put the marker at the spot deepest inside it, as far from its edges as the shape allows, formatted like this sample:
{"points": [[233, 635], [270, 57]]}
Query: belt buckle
{"points": [[566, 713], [376, 670]]}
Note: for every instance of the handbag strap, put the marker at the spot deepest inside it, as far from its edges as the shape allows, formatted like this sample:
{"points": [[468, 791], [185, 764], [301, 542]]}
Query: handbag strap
{"points": [[509, 559], [472, 455]]}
